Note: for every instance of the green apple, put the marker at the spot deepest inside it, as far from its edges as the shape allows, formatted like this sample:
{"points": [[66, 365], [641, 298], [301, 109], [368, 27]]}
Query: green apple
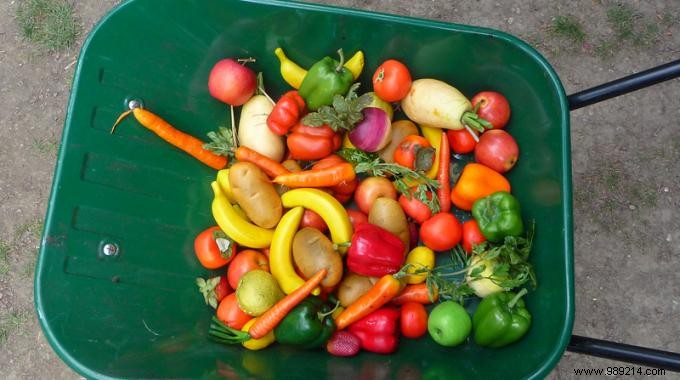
{"points": [[449, 324]]}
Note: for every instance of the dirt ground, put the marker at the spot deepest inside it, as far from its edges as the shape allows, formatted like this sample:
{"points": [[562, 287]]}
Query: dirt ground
{"points": [[625, 152]]}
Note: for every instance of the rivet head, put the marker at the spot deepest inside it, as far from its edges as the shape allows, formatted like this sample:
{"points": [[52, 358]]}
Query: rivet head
{"points": [[110, 249]]}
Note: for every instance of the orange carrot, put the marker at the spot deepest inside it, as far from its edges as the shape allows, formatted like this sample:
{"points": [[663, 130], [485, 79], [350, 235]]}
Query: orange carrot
{"points": [[381, 293], [444, 191], [415, 293], [325, 177], [272, 317], [269, 166], [181, 140]]}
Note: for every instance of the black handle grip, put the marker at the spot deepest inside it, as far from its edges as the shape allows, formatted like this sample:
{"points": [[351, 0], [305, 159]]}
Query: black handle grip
{"points": [[625, 353], [625, 85]]}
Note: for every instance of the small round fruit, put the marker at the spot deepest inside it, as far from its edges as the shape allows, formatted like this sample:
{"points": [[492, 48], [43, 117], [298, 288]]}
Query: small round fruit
{"points": [[257, 291], [449, 324], [497, 149]]}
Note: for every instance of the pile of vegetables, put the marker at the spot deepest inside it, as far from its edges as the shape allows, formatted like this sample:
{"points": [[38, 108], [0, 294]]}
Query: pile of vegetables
{"points": [[334, 222]]}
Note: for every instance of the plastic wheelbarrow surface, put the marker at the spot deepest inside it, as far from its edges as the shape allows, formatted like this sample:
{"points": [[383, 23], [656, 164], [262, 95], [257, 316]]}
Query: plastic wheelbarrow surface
{"points": [[137, 314]]}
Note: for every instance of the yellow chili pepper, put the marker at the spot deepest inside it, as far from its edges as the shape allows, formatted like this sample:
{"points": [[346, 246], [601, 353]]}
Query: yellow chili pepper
{"points": [[434, 137], [420, 258], [290, 71], [257, 344], [356, 64]]}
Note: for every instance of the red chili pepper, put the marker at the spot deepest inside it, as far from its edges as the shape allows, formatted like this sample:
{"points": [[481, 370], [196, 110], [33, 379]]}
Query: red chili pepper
{"points": [[378, 331], [375, 251], [443, 193], [286, 113], [312, 143]]}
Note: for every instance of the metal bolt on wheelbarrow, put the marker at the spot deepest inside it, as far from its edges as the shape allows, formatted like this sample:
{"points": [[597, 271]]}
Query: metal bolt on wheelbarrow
{"points": [[114, 287]]}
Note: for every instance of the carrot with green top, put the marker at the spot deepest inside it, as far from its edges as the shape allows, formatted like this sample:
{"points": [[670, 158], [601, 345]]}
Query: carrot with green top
{"points": [[269, 166], [416, 293], [444, 190], [326, 177], [170, 134], [270, 319]]}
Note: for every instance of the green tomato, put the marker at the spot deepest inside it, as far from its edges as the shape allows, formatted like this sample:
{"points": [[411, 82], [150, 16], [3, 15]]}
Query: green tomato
{"points": [[449, 324]]}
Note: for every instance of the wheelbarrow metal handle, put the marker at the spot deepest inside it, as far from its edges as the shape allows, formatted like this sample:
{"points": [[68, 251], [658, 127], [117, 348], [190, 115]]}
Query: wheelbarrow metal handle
{"points": [[624, 85], [625, 352]]}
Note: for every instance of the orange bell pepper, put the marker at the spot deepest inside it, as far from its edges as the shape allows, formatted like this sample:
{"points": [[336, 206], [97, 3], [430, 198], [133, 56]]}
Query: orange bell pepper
{"points": [[475, 182]]}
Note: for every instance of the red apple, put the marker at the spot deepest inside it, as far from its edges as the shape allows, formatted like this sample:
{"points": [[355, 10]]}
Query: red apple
{"points": [[244, 262], [497, 150], [372, 188], [232, 82]]}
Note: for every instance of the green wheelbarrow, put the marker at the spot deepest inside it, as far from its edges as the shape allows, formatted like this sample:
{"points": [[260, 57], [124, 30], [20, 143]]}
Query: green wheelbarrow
{"points": [[114, 289]]}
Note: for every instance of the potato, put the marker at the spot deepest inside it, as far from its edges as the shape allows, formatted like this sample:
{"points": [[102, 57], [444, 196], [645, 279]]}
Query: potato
{"points": [[253, 131], [435, 103], [313, 251], [388, 214], [291, 165], [400, 129], [254, 192], [354, 286]]}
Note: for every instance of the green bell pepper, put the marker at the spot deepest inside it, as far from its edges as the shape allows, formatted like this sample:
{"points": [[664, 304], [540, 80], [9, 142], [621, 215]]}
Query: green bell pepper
{"points": [[324, 80], [501, 319], [498, 215], [308, 325]]}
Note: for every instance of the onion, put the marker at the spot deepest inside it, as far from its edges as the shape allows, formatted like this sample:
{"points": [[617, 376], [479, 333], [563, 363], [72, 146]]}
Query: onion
{"points": [[373, 132]]}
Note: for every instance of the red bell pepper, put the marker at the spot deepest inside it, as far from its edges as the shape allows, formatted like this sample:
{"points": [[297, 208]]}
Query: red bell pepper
{"points": [[374, 251], [378, 331], [312, 143], [286, 113]]}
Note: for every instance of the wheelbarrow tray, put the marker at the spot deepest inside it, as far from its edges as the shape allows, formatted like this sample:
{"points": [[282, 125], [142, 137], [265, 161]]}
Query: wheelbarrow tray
{"points": [[137, 314]]}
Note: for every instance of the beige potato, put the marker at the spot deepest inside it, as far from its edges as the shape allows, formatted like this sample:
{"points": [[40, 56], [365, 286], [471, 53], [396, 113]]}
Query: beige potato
{"points": [[312, 251], [254, 192], [400, 129], [291, 165], [388, 214], [354, 286]]}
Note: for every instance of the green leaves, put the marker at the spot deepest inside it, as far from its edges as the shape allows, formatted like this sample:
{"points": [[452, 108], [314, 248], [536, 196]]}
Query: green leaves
{"points": [[403, 178], [344, 113], [222, 143], [510, 267], [207, 288]]}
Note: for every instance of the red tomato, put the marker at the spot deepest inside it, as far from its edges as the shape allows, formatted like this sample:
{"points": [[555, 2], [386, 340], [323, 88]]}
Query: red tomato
{"points": [[493, 107], [312, 143], [414, 208], [413, 320], [391, 81], [441, 232], [222, 289], [232, 315], [244, 262], [356, 217], [471, 235], [461, 141], [415, 152], [207, 251], [371, 189], [313, 220]]}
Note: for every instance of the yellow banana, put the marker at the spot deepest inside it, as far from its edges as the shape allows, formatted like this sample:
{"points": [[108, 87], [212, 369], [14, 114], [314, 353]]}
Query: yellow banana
{"points": [[355, 64], [280, 254], [241, 231], [290, 71], [330, 210], [225, 186], [434, 136]]}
